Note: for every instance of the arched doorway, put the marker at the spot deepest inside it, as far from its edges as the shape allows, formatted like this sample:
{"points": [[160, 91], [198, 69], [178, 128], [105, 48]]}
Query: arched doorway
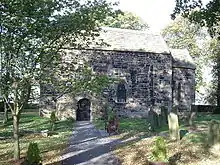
{"points": [[83, 109]]}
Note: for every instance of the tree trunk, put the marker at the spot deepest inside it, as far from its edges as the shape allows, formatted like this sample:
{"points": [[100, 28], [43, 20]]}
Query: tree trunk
{"points": [[16, 137], [218, 88], [5, 112], [218, 81]]}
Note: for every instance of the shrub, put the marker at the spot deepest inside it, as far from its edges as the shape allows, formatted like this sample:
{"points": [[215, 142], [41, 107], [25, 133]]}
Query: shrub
{"points": [[111, 114], [53, 120], [160, 149], [71, 119], [33, 154]]}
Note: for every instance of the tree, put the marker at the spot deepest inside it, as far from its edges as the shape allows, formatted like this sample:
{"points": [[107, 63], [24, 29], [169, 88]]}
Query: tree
{"points": [[204, 15], [4, 65], [126, 20], [32, 33], [208, 16], [214, 90], [180, 34]]}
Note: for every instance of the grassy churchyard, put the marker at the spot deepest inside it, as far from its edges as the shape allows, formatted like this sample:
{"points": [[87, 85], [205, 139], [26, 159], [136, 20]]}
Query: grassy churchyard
{"points": [[31, 127], [193, 146]]}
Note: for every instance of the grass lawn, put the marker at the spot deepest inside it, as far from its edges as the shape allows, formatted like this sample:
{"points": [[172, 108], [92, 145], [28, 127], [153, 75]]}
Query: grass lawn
{"points": [[134, 125], [193, 146], [30, 126]]}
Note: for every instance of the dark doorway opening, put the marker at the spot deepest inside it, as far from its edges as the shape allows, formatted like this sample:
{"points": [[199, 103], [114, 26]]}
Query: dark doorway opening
{"points": [[83, 110]]}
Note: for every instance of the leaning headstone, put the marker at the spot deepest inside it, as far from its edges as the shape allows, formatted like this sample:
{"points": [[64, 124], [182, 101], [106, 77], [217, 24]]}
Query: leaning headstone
{"points": [[214, 137], [214, 132], [173, 126]]}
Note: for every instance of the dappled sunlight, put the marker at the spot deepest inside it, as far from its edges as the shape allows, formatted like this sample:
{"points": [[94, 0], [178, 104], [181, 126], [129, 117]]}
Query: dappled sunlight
{"points": [[193, 146], [88, 146], [50, 147]]}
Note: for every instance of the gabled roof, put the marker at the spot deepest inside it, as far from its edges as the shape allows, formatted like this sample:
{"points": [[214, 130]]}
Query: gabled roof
{"points": [[181, 58], [132, 40], [139, 41]]}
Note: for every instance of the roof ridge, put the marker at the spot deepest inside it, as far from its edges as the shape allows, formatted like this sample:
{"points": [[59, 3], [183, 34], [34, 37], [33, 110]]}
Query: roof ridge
{"points": [[147, 31]]}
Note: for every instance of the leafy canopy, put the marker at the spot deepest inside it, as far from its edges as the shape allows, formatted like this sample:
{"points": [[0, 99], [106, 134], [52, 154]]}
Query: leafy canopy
{"points": [[33, 32], [126, 20], [208, 15], [183, 34]]}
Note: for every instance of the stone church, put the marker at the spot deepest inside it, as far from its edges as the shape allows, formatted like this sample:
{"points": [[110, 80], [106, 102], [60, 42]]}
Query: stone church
{"points": [[149, 75]]}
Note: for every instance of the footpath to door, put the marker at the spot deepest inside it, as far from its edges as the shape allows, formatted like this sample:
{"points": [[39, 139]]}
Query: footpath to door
{"points": [[90, 146]]}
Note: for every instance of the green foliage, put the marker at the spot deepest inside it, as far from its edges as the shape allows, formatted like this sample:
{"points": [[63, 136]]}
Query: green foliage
{"points": [[126, 20], [32, 122], [33, 154], [111, 113], [129, 125], [182, 34], [32, 36], [53, 119], [214, 90], [160, 149], [207, 15]]}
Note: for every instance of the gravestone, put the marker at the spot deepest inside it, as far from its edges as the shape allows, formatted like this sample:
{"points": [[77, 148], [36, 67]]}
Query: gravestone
{"points": [[214, 137], [173, 126], [214, 132], [153, 119], [164, 116]]}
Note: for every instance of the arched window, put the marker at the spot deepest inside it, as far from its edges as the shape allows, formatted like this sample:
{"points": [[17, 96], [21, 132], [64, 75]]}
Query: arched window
{"points": [[121, 93], [179, 92]]}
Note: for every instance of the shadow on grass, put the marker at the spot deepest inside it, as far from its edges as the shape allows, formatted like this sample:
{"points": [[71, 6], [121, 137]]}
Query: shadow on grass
{"points": [[6, 135], [64, 125], [100, 153], [30, 127], [131, 125]]}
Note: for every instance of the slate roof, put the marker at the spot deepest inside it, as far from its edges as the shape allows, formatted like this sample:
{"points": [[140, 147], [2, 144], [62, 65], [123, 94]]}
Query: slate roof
{"points": [[181, 58], [132, 40], [140, 41]]}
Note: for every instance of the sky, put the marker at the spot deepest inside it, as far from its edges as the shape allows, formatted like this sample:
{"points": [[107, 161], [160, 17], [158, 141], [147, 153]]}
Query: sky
{"points": [[155, 12]]}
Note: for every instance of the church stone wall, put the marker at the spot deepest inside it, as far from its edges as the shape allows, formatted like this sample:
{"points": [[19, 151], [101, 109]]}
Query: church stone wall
{"points": [[147, 78], [183, 88]]}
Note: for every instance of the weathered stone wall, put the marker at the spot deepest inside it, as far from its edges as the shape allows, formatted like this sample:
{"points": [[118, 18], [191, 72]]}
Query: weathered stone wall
{"points": [[66, 105], [147, 79], [183, 88]]}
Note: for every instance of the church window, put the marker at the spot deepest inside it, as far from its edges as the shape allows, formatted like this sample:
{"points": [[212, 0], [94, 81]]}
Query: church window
{"points": [[121, 93], [133, 76], [179, 92]]}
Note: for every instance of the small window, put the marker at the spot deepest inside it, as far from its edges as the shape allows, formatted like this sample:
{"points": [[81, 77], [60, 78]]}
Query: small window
{"points": [[133, 74], [179, 92], [121, 93], [174, 84]]}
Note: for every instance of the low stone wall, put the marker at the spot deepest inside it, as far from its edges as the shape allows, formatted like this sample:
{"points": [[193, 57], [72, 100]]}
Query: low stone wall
{"points": [[206, 108]]}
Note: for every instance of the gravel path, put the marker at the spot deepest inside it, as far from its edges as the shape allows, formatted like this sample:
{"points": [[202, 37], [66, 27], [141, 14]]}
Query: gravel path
{"points": [[89, 146]]}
